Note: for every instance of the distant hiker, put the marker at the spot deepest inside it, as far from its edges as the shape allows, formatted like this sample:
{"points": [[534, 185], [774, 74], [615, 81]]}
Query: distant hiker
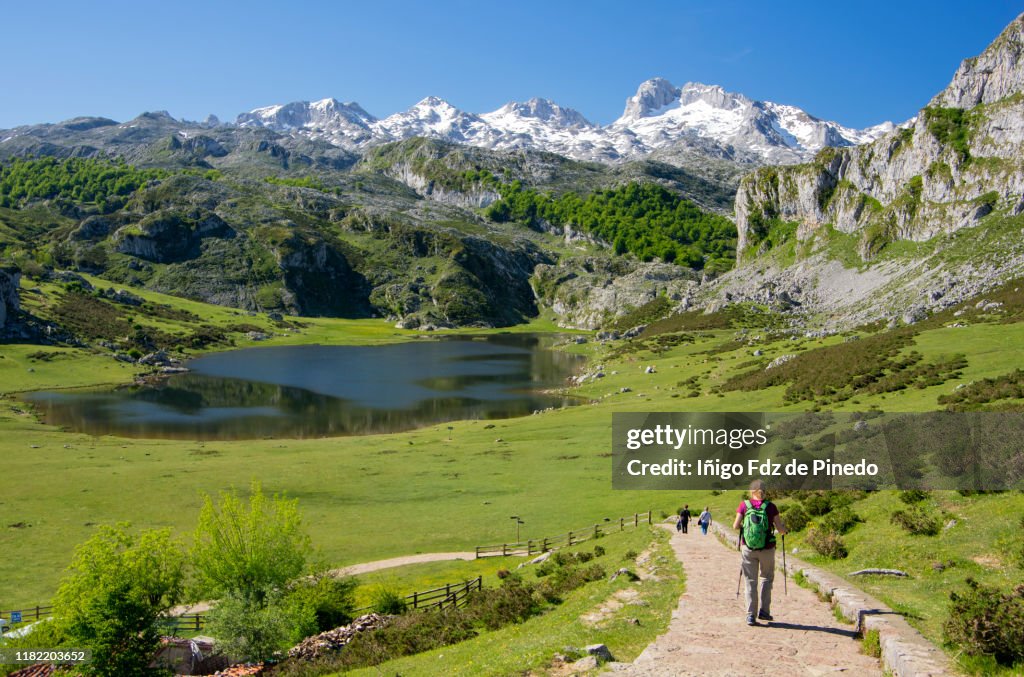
{"points": [[760, 522], [684, 519], [704, 521]]}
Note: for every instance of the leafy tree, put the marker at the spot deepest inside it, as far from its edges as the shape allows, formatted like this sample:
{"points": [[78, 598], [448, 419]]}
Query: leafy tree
{"points": [[114, 592], [250, 556], [249, 550]]}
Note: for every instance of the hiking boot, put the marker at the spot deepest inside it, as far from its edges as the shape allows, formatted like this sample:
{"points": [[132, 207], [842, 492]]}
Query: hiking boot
{"points": [[750, 619], [764, 616]]}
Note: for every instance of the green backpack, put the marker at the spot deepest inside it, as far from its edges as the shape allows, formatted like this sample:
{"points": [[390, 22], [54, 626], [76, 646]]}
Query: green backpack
{"points": [[756, 529]]}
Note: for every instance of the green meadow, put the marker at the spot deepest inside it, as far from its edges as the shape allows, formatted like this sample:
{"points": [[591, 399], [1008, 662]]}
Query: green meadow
{"points": [[434, 489]]}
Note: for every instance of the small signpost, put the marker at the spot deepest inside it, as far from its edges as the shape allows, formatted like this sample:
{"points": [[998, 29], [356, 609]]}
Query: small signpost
{"points": [[15, 617]]}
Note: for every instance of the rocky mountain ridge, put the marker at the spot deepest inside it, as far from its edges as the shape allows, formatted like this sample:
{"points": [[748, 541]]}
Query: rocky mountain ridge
{"points": [[960, 161], [959, 166], [659, 116]]}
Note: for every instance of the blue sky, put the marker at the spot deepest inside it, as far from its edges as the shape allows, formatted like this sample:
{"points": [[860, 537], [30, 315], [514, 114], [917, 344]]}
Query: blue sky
{"points": [[856, 62]]}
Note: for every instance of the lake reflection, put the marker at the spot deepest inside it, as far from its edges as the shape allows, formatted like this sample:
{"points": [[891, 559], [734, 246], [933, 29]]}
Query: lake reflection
{"points": [[315, 391]]}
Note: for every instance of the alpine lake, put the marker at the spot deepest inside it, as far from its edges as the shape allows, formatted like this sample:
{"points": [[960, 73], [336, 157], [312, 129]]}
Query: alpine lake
{"points": [[322, 391]]}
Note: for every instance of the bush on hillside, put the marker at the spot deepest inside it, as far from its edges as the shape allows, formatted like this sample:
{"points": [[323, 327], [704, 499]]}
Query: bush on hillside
{"points": [[917, 521], [816, 504], [327, 600], [986, 621], [827, 543], [388, 602], [840, 521], [911, 496], [795, 517]]}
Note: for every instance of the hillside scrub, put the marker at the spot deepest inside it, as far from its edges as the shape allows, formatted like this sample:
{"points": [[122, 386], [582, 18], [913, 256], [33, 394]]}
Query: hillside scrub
{"points": [[105, 183], [415, 631], [986, 621], [644, 219]]}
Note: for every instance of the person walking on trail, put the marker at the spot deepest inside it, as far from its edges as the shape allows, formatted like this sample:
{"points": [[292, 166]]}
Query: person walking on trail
{"points": [[758, 521], [704, 521], [684, 519]]}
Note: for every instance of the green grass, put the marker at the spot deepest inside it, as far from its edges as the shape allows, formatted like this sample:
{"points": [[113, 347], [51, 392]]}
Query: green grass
{"points": [[517, 648]]}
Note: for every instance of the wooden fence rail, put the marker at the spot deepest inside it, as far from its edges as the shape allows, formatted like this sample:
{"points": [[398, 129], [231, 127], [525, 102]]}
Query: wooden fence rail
{"points": [[535, 546], [33, 614], [451, 595], [448, 596], [175, 625]]}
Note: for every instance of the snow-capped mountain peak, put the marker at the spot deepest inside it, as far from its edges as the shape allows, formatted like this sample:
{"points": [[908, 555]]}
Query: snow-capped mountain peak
{"points": [[660, 116], [652, 97], [544, 110], [712, 95]]}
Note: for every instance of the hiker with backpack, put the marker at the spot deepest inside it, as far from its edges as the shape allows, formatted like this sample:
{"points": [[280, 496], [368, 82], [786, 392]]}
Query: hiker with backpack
{"points": [[758, 521], [704, 521]]}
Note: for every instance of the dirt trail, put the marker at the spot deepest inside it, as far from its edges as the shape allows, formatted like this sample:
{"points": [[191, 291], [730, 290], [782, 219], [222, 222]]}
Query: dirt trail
{"points": [[353, 570], [708, 634], [367, 567]]}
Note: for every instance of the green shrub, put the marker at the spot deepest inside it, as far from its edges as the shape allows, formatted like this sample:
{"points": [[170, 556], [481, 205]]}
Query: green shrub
{"points": [[911, 496], [917, 521], [389, 602], [255, 630], [796, 518], [827, 543], [840, 521], [599, 551], [563, 558], [511, 602], [986, 621], [816, 504], [631, 555], [326, 599]]}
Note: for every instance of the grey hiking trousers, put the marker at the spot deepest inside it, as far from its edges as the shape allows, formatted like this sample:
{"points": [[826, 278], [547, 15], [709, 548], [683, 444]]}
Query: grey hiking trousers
{"points": [[757, 562]]}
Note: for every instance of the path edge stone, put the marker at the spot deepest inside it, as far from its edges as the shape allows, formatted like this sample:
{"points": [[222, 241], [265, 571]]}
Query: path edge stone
{"points": [[905, 651]]}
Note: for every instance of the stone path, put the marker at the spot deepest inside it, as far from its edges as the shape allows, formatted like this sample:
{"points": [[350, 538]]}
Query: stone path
{"points": [[708, 634]]}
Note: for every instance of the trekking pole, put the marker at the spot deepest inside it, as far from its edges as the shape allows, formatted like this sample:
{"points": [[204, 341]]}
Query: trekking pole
{"points": [[740, 577], [785, 571]]}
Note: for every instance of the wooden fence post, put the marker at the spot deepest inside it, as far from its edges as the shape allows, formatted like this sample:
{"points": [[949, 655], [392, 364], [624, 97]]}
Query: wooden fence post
{"points": [[597, 531], [570, 538], [415, 600], [636, 520], [649, 517]]}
